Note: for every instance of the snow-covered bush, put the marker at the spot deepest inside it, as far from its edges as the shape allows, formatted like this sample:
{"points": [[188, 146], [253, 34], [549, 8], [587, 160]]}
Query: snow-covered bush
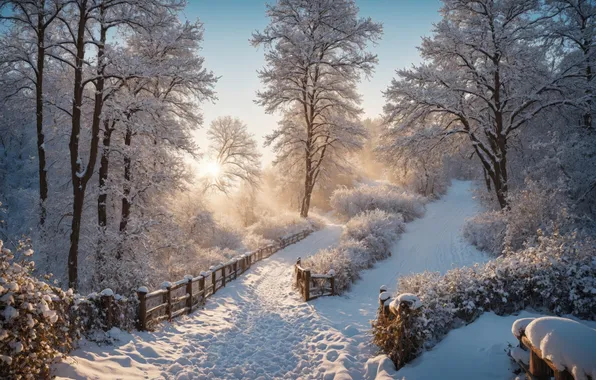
{"points": [[486, 231], [366, 239], [377, 230], [347, 260], [273, 227], [35, 327], [558, 275], [392, 199], [532, 208]]}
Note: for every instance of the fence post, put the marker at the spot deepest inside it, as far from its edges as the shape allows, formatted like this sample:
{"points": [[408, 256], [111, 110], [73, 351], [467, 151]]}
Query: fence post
{"points": [[235, 266], [168, 299], [107, 296], [223, 275], [538, 367], [189, 292], [332, 281], [213, 279], [142, 311], [306, 285], [202, 287]]}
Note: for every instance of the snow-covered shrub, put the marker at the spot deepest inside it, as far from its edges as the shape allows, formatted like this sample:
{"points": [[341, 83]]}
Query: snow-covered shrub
{"points": [[273, 227], [366, 239], [392, 199], [35, 327], [347, 260], [486, 231], [533, 208], [377, 230], [558, 275]]}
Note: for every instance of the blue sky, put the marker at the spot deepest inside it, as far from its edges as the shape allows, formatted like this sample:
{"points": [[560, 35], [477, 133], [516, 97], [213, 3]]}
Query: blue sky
{"points": [[228, 27]]}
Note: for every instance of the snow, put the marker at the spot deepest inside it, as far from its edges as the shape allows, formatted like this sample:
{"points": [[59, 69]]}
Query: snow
{"points": [[410, 298], [519, 326], [520, 355], [566, 343], [384, 296], [143, 289], [107, 292], [257, 326], [476, 351]]}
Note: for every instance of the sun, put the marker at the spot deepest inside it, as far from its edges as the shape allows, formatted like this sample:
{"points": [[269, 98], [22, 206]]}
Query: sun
{"points": [[212, 169]]}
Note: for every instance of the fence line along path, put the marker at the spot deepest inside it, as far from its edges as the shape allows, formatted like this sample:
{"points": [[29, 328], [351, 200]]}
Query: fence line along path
{"points": [[181, 297]]}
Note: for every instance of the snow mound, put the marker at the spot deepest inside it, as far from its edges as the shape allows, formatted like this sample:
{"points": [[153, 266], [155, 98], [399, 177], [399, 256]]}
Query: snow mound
{"points": [[566, 343], [519, 326], [107, 292], [384, 296], [520, 355], [409, 298], [380, 368]]}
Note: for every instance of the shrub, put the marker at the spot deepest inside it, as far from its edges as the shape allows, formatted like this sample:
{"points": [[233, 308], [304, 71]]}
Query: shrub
{"points": [[35, 327], [366, 239], [273, 227], [377, 230], [351, 202], [558, 276], [486, 231]]}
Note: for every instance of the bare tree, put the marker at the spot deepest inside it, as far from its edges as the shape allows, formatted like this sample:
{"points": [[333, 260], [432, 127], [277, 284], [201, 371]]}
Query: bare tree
{"points": [[235, 153], [24, 51], [315, 54], [485, 76]]}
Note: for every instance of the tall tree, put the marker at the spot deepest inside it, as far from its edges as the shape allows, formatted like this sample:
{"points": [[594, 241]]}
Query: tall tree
{"points": [[485, 76], [24, 51], [85, 26], [574, 24], [169, 99], [233, 152], [315, 54]]}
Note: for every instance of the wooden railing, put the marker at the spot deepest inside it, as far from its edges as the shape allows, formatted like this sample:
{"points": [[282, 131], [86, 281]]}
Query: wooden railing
{"points": [[539, 367], [311, 285], [183, 296]]}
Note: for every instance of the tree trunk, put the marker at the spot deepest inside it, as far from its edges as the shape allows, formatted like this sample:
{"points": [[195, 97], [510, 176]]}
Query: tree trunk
{"points": [[81, 177], [104, 167], [41, 152], [126, 191]]}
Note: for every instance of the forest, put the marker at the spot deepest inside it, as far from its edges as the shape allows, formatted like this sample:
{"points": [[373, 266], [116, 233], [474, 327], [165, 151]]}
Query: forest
{"points": [[108, 183]]}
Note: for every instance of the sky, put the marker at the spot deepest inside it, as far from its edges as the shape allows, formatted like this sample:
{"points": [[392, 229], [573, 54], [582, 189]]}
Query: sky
{"points": [[229, 24]]}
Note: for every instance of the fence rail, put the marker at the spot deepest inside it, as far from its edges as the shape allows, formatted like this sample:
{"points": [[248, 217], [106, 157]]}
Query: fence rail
{"points": [[312, 285], [539, 367], [183, 296]]}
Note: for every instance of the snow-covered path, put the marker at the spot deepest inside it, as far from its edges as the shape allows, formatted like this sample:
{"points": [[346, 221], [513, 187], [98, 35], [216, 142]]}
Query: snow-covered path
{"points": [[258, 328], [432, 243]]}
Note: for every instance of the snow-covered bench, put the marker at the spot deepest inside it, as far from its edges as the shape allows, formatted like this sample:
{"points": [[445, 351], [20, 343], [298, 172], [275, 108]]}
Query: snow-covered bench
{"points": [[558, 346]]}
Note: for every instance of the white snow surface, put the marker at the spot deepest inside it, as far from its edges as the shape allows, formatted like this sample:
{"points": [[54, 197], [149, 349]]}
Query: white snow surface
{"points": [[566, 343], [257, 326]]}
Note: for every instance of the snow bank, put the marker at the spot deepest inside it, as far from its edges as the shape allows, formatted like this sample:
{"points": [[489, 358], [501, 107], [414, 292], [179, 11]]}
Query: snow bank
{"points": [[380, 368], [566, 343]]}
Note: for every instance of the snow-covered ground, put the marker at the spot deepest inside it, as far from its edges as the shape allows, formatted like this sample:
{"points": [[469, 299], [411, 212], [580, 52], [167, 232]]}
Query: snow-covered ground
{"points": [[258, 327]]}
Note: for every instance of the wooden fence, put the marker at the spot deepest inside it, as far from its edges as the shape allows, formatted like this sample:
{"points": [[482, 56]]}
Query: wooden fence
{"points": [[183, 296], [313, 285], [539, 367]]}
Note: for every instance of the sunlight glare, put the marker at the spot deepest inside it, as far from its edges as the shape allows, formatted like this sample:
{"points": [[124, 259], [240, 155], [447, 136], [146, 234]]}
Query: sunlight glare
{"points": [[212, 169]]}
